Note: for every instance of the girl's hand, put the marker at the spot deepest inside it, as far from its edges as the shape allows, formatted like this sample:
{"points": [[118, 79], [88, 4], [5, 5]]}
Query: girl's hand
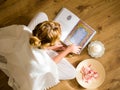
{"points": [[74, 48], [70, 49]]}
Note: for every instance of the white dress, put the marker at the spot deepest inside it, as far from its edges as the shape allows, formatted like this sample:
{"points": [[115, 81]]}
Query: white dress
{"points": [[30, 68]]}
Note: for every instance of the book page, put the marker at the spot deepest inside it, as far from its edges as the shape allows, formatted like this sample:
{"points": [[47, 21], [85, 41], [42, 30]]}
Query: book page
{"points": [[67, 21], [80, 35]]}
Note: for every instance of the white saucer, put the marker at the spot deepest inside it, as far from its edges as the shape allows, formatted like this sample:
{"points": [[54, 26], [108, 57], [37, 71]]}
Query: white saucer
{"points": [[97, 67]]}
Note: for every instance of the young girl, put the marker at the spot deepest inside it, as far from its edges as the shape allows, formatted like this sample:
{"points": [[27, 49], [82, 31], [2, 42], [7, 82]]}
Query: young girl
{"points": [[32, 63]]}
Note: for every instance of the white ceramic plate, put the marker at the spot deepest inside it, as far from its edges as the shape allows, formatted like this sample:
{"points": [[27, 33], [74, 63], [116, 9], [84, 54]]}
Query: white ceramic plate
{"points": [[97, 67]]}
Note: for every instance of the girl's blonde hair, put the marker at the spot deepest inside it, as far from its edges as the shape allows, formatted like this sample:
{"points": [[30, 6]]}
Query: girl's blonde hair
{"points": [[45, 34]]}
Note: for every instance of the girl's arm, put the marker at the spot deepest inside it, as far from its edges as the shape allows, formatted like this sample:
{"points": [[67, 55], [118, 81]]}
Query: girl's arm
{"points": [[70, 49]]}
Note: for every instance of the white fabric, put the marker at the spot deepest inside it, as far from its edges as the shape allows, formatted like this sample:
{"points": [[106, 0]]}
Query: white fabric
{"points": [[65, 69], [29, 68], [40, 17]]}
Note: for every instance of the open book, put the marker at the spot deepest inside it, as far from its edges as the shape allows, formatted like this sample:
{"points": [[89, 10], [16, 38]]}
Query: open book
{"points": [[74, 30]]}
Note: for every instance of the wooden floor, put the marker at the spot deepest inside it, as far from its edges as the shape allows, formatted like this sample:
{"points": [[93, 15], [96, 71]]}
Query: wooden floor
{"points": [[102, 15]]}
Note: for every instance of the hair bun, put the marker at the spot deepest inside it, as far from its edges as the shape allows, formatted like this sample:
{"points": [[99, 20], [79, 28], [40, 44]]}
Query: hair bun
{"points": [[34, 41]]}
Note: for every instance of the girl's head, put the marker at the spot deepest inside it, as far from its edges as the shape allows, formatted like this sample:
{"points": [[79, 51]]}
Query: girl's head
{"points": [[45, 34]]}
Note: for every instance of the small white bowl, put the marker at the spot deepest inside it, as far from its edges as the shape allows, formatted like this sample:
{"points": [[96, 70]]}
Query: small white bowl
{"points": [[96, 49]]}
